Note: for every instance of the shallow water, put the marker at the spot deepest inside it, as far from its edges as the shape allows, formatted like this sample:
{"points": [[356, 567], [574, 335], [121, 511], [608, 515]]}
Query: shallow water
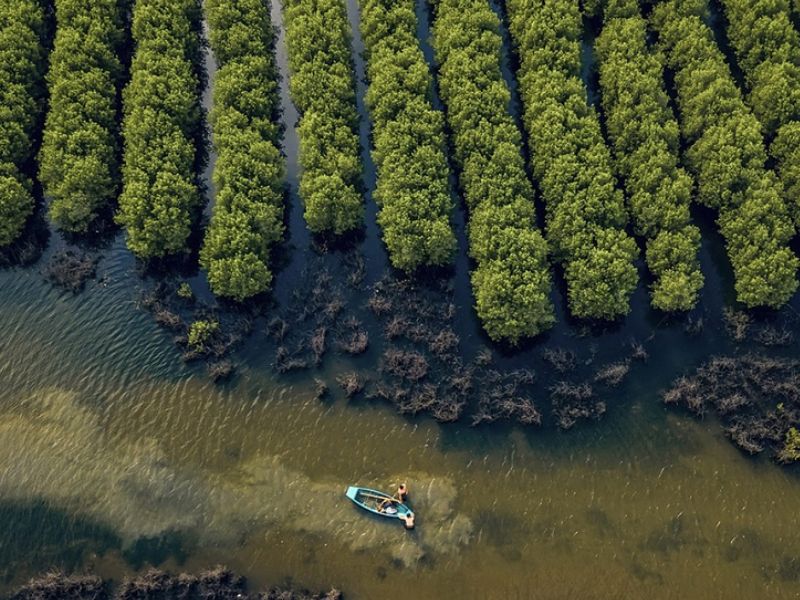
{"points": [[115, 455]]}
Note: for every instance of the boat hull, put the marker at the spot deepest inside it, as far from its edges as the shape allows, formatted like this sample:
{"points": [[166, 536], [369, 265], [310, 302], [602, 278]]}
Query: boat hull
{"points": [[370, 499]]}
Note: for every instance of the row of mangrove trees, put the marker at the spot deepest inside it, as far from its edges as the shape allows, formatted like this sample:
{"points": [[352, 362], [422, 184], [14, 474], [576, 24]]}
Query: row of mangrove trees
{"points": [[22, 57], [408, 137], [322, 86], [645, 138], [726, 154], [585, 212], [249, 170], [511, 281], [767, 47], [162, 128], [79, 164]]}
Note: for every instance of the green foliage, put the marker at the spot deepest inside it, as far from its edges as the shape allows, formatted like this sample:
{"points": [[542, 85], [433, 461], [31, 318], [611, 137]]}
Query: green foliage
{"points": [[511, 282], [162, 125], [645, 138], [78, 160], [768, 50], [21, 69], [323, 89], [249, 171], [791, 446], [408, 136], [201, 332], [786, 150], [767, 47], [185, 291], [16, 204], [726, 154], [585, 213]]}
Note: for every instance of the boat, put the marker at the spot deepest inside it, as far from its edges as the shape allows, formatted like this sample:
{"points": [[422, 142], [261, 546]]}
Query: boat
{"points": [[381, 504]]}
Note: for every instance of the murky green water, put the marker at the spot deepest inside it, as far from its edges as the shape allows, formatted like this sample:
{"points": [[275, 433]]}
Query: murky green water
{"points": [[111, 454], [114, 455]]}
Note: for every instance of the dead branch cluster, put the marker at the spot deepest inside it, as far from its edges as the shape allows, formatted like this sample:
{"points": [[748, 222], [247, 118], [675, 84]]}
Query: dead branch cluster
{"points": [[757, 397]]}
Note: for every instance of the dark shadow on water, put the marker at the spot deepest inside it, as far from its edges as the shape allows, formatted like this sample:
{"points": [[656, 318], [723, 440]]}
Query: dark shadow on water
{"points": [[156, 550], [35, 536], [31, 244]]}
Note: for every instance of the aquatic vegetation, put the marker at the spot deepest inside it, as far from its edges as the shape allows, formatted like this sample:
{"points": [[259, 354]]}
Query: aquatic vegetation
{"points": [[71, 270], [221, 370], [409, 145], [319, 318], [79, 158], [217, 583], [185, 291], [613, 374], [561, 359], [585, 213], [200, 333], [507, 396], [353, 339], [21, 73], [249, 172], [575, 401], [645, 139], [791, 447], [511, 281], [422, 369], [737, 323], [351, 382], [322, 85], [61, 585], [727, 156], [406, 364], [162, 128], [767, 46], [745, 392]]}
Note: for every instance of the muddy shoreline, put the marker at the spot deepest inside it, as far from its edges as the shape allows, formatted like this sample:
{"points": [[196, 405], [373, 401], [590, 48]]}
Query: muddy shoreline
{"points": [[216, 584]]}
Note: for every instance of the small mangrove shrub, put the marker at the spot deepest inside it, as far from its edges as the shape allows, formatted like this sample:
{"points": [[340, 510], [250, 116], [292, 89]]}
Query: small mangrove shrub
{"points": [[185, 291], [791, 447], [201, 332]]}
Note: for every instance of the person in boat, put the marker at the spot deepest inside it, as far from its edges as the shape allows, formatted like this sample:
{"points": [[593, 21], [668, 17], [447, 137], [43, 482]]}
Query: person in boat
{"points": [[402, 492], [387, 506]]}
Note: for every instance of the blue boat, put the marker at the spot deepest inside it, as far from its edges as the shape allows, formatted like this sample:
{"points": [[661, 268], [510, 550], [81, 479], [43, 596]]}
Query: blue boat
{"points": [[381, 504]]}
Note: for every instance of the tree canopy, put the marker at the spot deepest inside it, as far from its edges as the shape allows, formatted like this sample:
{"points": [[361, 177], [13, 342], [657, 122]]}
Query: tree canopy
{"points": [[322, 86], [409, 145], [511, 281], [162, 127], [249, 170], [645, 139], [767, 47], [22, 58], [585, 212], [727, 156], [79, 167]]}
